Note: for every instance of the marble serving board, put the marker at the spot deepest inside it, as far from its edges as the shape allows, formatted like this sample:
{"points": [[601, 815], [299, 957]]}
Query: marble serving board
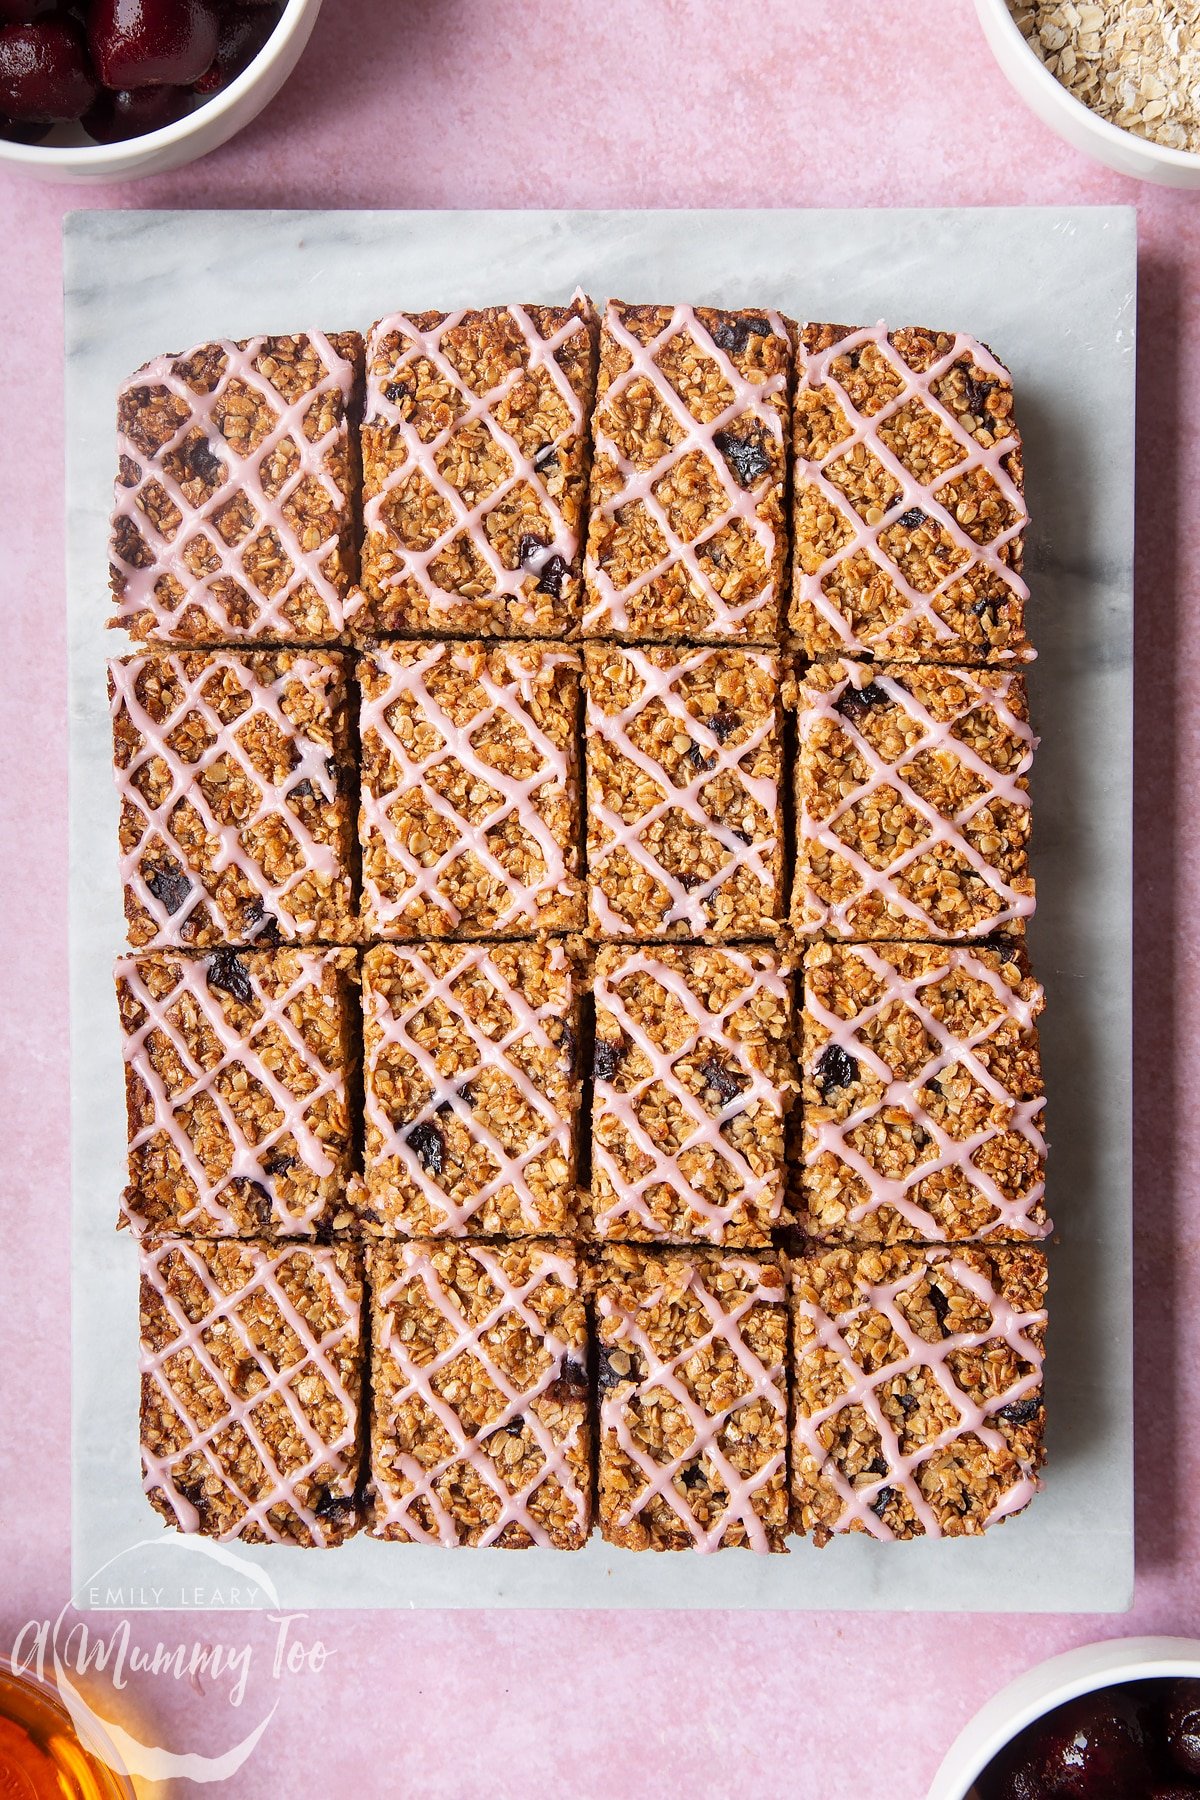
{"points": [[1053, 292]]}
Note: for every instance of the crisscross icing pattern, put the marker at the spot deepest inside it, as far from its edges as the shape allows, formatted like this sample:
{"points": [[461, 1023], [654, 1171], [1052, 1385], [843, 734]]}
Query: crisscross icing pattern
{"points": [[243, 478], [611, 604], [757, 1199], [608, 832], [421, 455], [170, 909], [284, 1484], [1015, 1215], [944, 835], [1008, 1328], [404, 674], [389, 1032], [427, 1486], [768, 1385], [865, 429], [250, 1157]]}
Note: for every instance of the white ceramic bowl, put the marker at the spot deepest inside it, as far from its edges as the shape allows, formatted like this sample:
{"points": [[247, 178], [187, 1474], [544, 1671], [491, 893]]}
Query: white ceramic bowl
{"points": [[1072, 120], [70, 156], [1048, 1685]]}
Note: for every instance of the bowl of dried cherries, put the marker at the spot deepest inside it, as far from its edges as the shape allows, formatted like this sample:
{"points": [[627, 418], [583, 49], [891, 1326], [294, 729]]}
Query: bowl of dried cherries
{"points": [[1112, 1721], [99, 90]]}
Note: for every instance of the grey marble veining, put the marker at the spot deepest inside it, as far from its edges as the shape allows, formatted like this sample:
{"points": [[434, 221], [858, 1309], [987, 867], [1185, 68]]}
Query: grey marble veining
{"points": [[1052, 291]]}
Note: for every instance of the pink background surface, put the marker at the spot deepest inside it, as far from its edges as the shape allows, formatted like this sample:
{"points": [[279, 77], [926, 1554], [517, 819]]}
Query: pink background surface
{"points": [[614, 103]]}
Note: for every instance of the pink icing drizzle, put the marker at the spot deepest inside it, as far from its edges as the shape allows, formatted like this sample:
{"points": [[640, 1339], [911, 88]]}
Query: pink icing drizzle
{"points": [[512, 698], [283, 1484], [685, 905], [418, 1379], [639, 487], [311, 765], [529, 1024], [242, 478], [1008, 1327], [767, 1384], [246, 1159], [421, 455], [1013, 1217], [815, 374], [944, 834], [758, 1196]]}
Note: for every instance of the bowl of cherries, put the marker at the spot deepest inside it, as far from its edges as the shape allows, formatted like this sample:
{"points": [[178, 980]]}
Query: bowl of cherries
{"points": [[96, 90], [1112, 1721]]}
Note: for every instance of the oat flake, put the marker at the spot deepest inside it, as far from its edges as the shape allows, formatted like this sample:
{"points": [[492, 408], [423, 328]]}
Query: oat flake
{"points": [[1134, 62]]}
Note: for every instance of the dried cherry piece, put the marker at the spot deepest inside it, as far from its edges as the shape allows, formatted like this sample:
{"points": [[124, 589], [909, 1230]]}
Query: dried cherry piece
{"points": [[152, 43], [834, 1068], [861, 700], [44, 73], [735, 334], [607, 1058], [941, 1307], [130, 112], [977, 393], [227, 970], [430, 1146], [168, 884], [745, 456], [1020, 1412], [725, 1083]]}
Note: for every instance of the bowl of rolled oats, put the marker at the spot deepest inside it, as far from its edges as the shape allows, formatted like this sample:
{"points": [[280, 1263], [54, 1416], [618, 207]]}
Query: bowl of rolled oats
{"points": [[1118, 79]]}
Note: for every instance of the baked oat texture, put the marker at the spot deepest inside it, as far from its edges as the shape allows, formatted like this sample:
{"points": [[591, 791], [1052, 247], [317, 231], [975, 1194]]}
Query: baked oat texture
{"points": [[917, 1389], [913, 800], [474, 453], [251, 1376], [471, 1106], [908, 500], [480, 1429], [235, 494], [692, 1071], [922, 1095], [470, 817], [234, 772], [691, 1349], [236, 1072], [687, 537], [684, 764]]}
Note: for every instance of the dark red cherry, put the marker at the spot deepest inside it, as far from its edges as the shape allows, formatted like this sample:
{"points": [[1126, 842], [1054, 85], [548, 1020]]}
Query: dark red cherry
{"points": [[131, 112], [1093, 1748], [24, 12], [1181, 1724], [152, 43], [24, 133], [44, 74], [243, 32]]}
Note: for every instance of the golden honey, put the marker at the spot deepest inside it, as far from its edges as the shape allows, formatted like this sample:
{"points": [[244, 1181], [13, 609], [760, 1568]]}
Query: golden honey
{"points": [[41, 1756]]}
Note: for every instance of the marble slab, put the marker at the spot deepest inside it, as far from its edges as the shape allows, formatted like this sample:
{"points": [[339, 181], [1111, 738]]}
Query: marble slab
{"points": [[1052, 290]]}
